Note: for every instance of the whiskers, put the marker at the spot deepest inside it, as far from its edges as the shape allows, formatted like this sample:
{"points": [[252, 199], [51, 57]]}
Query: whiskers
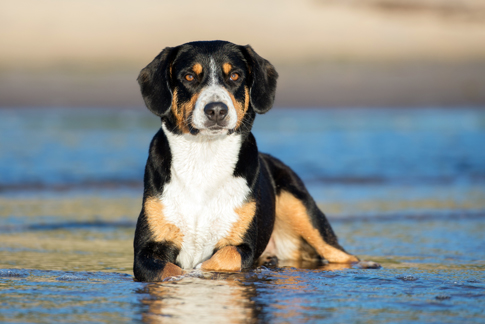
{"points": [[245, 126]]}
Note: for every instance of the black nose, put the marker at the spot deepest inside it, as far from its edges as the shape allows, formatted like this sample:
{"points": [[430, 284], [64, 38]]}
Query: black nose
{"points": [[216, 111]]}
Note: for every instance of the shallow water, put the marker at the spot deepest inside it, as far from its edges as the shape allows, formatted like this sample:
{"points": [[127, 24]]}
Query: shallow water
{"points": [[405, 188]]}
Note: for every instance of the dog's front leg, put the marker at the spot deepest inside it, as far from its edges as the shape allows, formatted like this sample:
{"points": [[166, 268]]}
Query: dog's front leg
{"points": [[155, 262], [229, 258], [157, 244]]}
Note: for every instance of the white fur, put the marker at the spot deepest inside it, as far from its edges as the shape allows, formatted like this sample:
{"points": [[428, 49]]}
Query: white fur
{"points": [[202, 194], [212, 93]]}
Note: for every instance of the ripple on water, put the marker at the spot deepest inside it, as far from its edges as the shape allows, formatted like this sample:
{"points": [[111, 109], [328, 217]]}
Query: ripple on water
{"points": [[407, 278], [71, 277], [13, 273]]}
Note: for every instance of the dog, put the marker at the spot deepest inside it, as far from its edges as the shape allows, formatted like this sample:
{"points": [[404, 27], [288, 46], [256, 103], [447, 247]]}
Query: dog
{"points": [[211, 200]]}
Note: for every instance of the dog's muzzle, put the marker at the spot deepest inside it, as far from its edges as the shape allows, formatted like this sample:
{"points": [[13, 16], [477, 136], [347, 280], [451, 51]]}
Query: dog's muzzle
{"points": [[214, 110]]}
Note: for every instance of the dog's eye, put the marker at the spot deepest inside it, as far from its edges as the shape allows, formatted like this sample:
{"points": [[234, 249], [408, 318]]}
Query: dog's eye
{"points": [[234, 76], [189, 77]]}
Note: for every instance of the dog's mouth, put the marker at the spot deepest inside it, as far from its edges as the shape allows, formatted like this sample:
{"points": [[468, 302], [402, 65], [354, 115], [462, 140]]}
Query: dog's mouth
{"points": [[215, 127], [208, 127], [212, 130], [216, 130]]}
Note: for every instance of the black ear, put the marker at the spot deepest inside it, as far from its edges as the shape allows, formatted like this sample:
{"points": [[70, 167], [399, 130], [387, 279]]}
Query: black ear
{"points": [[155, 83], [263, 75]]}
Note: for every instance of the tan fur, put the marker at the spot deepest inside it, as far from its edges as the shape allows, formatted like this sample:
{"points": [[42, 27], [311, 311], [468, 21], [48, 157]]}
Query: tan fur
{"points": [[161, 230], [241, 107], [182, 111], [235, 237], [226, 259], [226, 67], [284, 243], [197, 68], [171, 270], [292, 220]]}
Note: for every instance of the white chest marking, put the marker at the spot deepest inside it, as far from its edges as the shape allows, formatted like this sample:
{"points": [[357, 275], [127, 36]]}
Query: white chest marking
{"points": [[202, 194]]}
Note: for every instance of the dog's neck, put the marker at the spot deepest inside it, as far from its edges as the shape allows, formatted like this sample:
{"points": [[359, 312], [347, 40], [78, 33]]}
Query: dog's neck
{"points": [[197, 158]]}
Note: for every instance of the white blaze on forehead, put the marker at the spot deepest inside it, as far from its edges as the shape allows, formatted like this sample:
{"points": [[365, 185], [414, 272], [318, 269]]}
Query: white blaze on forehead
{"points": [[213, 73], [214, 92]]}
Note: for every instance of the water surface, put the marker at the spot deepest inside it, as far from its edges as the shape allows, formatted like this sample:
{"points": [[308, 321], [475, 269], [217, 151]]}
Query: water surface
{"points": [[402, 187]]}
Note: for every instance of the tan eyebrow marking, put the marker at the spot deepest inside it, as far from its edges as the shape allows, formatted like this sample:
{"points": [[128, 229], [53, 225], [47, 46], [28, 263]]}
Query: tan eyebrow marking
{"points": [[197, 68], [226, 67]]}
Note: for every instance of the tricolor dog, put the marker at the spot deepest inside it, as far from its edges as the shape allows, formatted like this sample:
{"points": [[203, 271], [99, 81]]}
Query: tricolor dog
{"points": [[211, 200]]}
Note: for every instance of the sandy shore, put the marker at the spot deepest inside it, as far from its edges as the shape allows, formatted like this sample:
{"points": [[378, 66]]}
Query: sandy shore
{"points": [[322, 85], [328, 53]]}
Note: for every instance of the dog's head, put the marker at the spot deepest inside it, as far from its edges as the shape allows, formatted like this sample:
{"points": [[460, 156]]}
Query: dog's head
{"points": [[211, 88]]}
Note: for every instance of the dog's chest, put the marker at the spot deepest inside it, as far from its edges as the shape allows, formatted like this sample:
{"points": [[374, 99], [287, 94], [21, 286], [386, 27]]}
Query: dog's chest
{"points": [[202, 194]]}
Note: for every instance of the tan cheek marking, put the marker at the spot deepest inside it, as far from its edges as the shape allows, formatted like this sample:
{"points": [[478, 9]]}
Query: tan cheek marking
{"points": [[182, 111], [197, 68], [226, 259], [175, 108], [246, 214], [226, 67], [292, 212], [241, 108], [162, 231]]}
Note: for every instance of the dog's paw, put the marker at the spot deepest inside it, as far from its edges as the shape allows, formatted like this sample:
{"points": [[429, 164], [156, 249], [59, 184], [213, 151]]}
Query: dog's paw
{"points": [[366, 265], [198, 267]]}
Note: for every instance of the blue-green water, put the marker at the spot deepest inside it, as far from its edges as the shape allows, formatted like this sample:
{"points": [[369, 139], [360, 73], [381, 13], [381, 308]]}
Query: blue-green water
{"points": [[402, 187]]}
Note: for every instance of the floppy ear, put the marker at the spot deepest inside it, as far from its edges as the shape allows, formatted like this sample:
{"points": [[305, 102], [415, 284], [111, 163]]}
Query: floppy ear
{"points": [[264, 75], [155, 81]]}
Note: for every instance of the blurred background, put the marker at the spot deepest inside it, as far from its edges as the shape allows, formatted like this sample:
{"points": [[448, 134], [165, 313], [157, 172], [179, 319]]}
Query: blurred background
{"points": [[329, 53]]}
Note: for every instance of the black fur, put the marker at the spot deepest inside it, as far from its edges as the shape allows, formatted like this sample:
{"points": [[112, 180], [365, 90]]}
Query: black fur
{"points": [[263, 80], [265, 175], [155, 82]]}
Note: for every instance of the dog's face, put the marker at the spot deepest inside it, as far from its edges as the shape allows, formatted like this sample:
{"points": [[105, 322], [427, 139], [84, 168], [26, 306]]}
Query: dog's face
{"points": [[209, 88]]}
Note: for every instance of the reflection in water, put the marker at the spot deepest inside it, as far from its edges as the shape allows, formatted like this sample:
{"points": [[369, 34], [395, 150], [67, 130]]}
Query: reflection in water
{"points": [[428, 266], [313, 265], [198, 300], [230, 297]]}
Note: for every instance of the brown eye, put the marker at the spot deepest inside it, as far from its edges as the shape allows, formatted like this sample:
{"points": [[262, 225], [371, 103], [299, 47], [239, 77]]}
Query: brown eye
{"points": [[234, 76], [189, 77]]}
